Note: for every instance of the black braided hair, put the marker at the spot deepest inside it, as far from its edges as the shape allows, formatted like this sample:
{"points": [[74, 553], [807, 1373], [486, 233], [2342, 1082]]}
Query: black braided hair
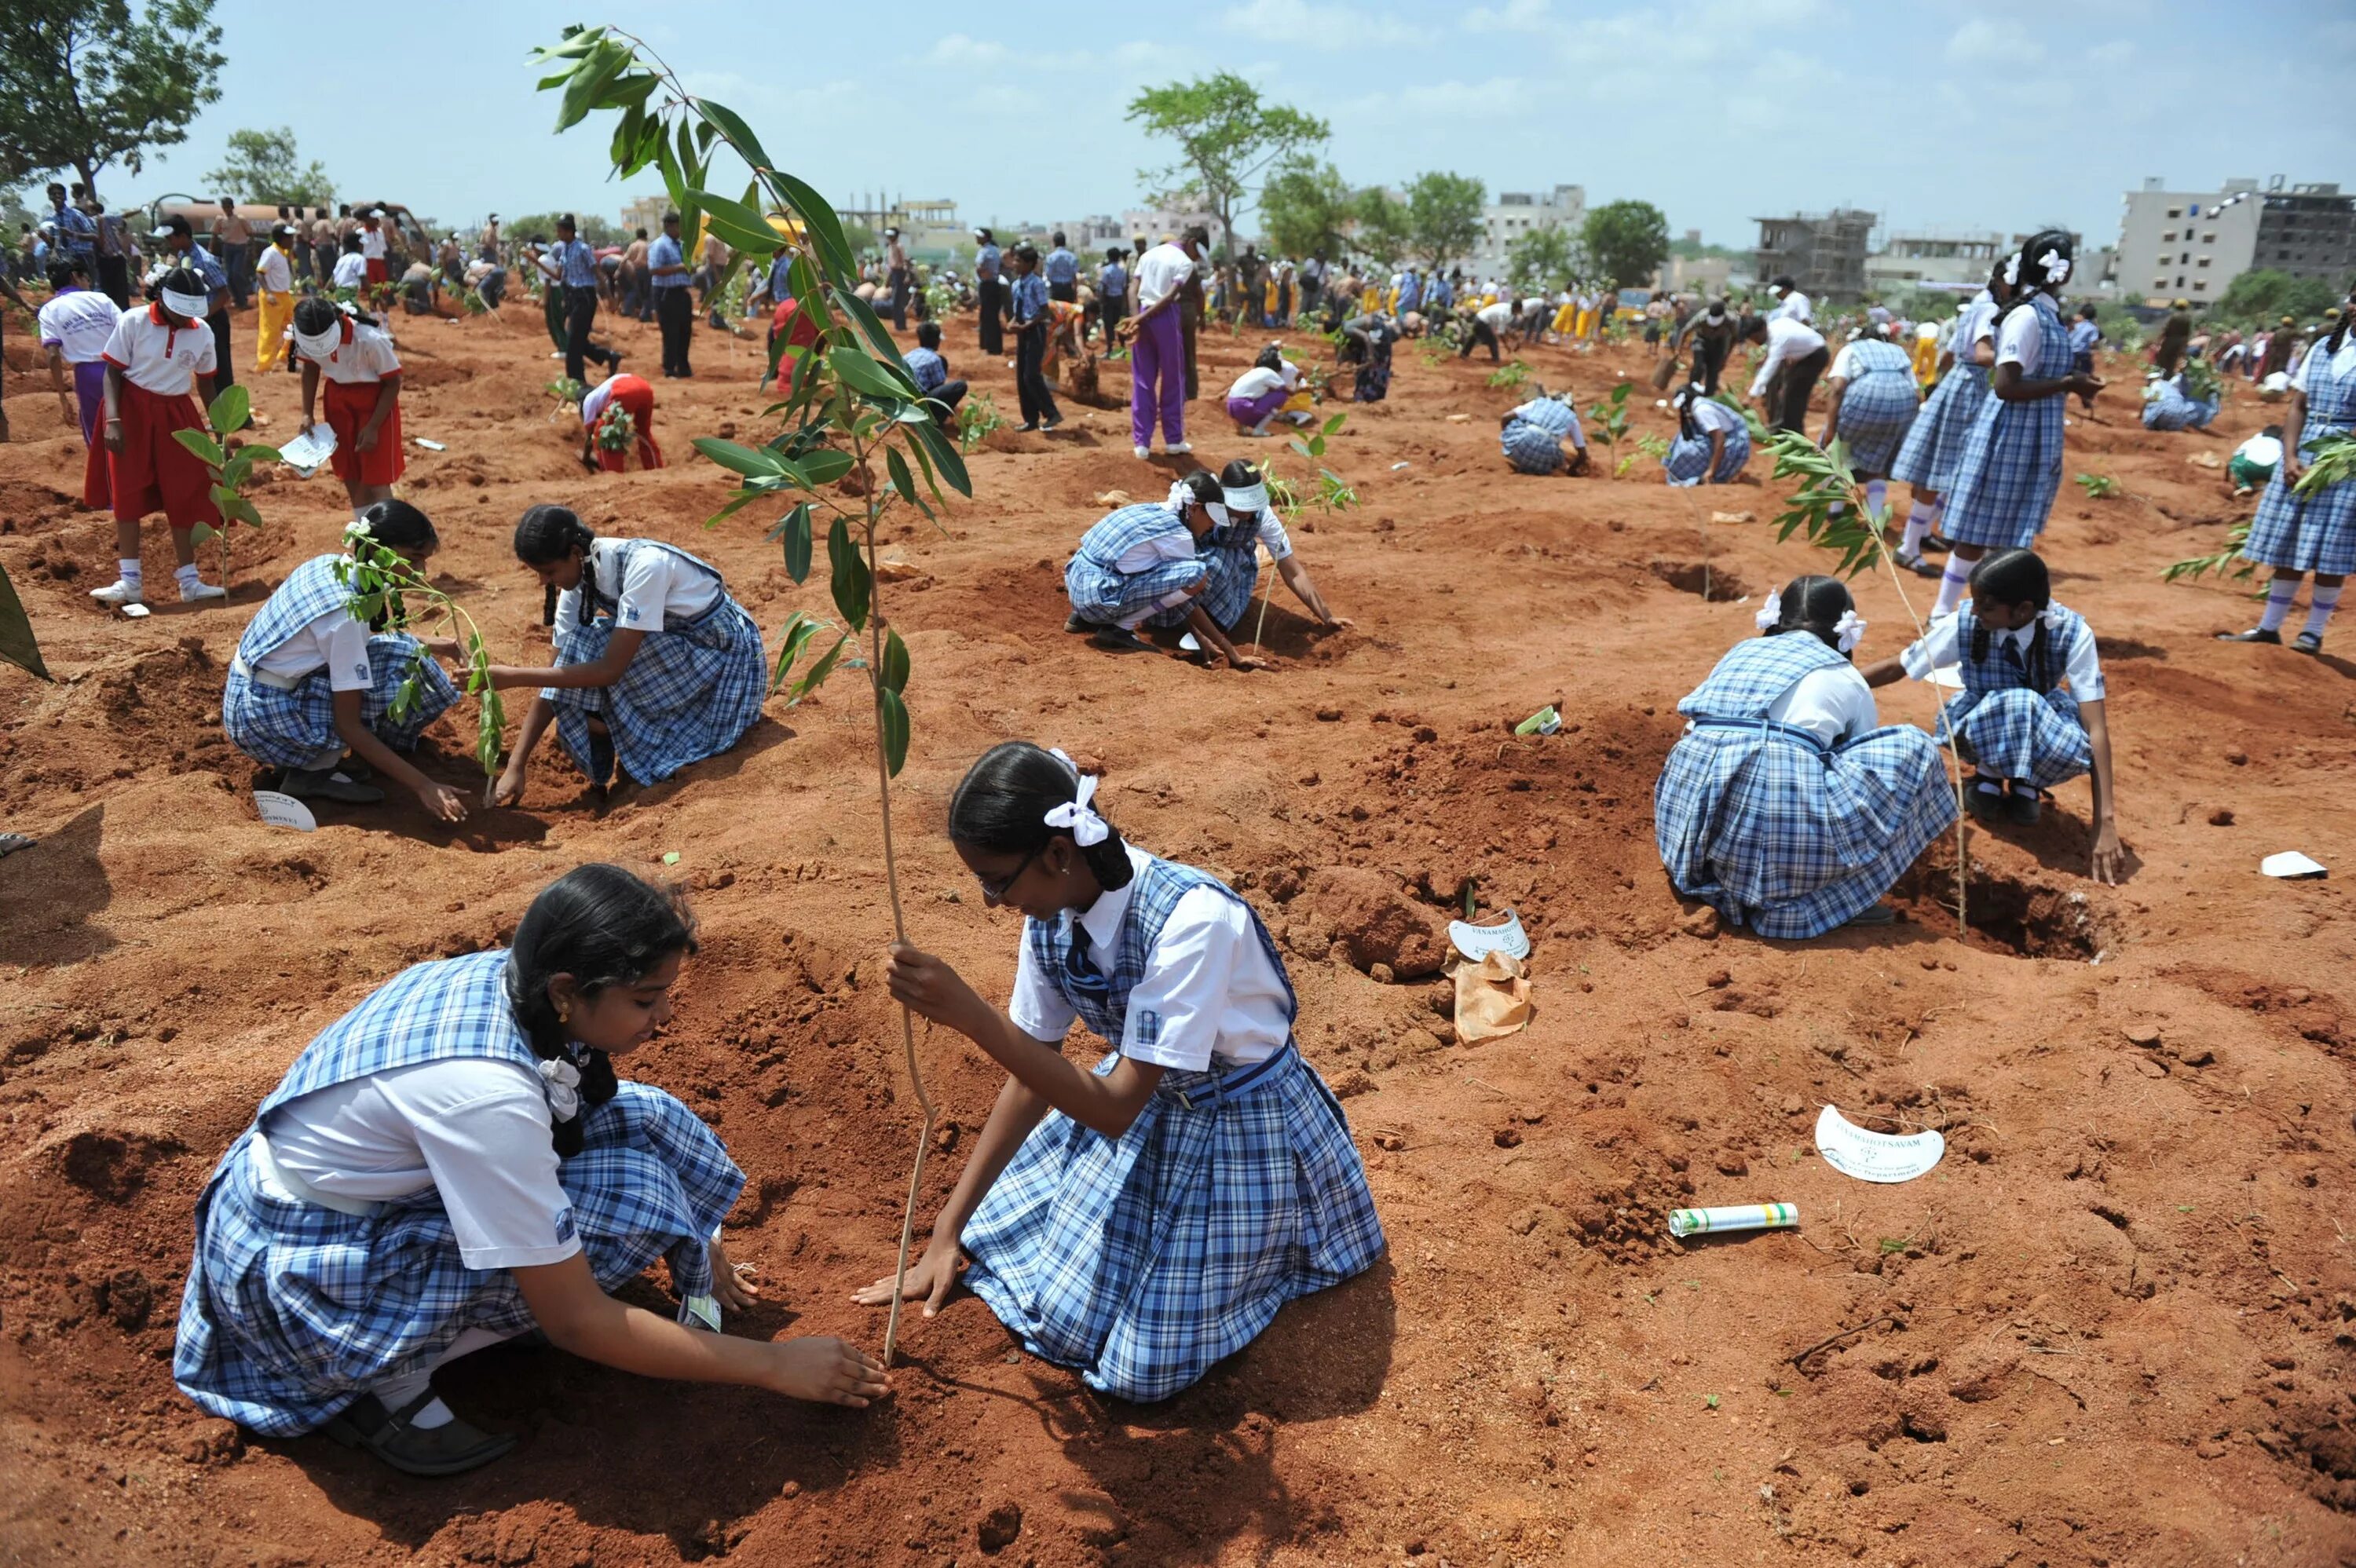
{"points": [[1814, 605], [2339, 333], [605, 928], [1687, 428], [549, 533], [2014, 577], [2030, 278], [1001, 805]]}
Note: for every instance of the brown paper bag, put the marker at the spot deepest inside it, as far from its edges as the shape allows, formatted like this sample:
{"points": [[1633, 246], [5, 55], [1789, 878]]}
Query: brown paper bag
{"points": [[1493, 998]]}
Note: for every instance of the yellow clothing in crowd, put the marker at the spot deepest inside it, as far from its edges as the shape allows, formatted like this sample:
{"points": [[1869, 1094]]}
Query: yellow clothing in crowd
{"points": [[1926, 354], [270, 334]]}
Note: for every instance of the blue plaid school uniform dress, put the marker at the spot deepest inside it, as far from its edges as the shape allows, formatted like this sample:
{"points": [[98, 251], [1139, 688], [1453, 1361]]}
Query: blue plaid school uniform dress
{"points": [[1687, 459], [2315, 533], [289, 728], [292, 1309], [2011, 466], [2170, 408], [1143, 1260], [1773, 828], [1878, 406], [694, 686], [1230, 558], [2013, 719], [1934, 445], [1103, 593], [1533, 441], [1373, 382]]}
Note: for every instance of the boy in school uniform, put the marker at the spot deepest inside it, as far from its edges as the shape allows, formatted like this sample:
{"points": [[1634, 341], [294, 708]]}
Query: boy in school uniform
{"points": [[1062, 270], [155, 356], [932, 373]]}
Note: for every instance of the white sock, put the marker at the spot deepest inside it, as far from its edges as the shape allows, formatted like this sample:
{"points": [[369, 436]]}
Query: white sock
{"points": [[1918, 528], [435, 1414], [394, 1393], [185, 575], [1951, 584], [325, 759], [129, 571], [2279, 593], [2318, 609], [1877, 496]]}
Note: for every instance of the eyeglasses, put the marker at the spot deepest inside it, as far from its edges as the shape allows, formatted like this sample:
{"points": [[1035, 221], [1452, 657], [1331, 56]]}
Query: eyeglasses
{"points": [[995, 888]]}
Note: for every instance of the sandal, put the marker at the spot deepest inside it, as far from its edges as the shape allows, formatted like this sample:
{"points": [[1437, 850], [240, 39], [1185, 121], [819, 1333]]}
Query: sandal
{"points": [[450, 1449]]}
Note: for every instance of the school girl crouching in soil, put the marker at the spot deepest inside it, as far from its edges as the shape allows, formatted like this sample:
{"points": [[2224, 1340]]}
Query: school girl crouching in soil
{"points": [[1712, 443], [1787, 805], [2013, 722], [1146, 559], [454, 1163], [1230, 555], [311, 680], [1531, 436], [656, 667], [1143, 1220]]}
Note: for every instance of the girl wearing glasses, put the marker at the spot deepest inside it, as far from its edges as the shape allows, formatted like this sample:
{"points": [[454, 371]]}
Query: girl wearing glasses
{"points": [[1145, 1220]]}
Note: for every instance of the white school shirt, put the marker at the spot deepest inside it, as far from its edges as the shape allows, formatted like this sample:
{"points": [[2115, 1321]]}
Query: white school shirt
{"points": [[278, 273], [1787, 338], [1792, 307], [351, 270], [1272, 536], [1844, 362], [1497, 317], [474, 1129], [2341, 363], [1834, 704], [1255, 382], [1940, 647], [1160, 272], [157, 358], [2017, 340], [373, 245], [1710, 414], [77, 323], [657, 586], [2261, 449], [1179, 544], [335, 641], [368, 359], [1218, 993]]}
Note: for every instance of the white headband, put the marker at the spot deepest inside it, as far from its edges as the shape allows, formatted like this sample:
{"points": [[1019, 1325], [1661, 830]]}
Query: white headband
{"points": [[1084, 826], [1771, 614], [196, 307], [1246, 498], [320, 345], [1849, 629]]}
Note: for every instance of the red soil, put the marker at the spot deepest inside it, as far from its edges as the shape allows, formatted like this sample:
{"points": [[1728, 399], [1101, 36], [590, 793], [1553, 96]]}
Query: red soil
{"points": [[2112, 1328]]}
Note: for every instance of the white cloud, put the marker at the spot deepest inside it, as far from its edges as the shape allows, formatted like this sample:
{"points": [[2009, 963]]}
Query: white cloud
{"points": [[1514, 16], [1986, 40], [968, 53], [1329, 26]]}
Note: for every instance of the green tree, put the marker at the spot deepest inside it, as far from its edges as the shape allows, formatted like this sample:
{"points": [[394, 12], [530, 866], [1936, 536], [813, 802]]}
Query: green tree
{"points": [[1444, 216], [2266, 295], [1628, 241], [594, 228], [1305, 209], [1386, 228], [1227, 139], [262, 166], [88, 85], [1544, 259]]}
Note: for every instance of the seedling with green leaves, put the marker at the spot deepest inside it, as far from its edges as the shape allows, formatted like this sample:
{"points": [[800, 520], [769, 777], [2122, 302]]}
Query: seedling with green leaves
{"points": [[616, 430], [230, 464], [850, 403], [568, 394], [1760, 434], [2098, 486], [1511, 374], [1609, 422], [381, 583], [977, 417]]}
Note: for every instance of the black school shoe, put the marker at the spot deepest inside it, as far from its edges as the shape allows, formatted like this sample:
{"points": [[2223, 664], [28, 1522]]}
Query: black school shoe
{"points": [[2255, 634], [450, 1449], [1077, 624], [1936, 542], [2025, 804], [1990, 806], [328, 783], [1120, 640], [1918, 566], [2307, 643]]}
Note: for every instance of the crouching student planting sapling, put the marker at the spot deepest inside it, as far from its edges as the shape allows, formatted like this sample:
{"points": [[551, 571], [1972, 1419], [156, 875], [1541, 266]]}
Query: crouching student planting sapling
{"points": [[1145, 559]]}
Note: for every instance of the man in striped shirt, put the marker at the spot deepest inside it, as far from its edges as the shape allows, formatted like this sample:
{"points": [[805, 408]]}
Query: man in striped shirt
{"points": [[570, 264]]}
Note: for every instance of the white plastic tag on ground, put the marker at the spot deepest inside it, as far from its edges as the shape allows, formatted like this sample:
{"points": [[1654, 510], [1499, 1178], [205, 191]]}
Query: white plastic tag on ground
{"points": [[1875, 1157], [137, 612], [1189, 644], [285, 811], [2291, 863], [431, 445], [1477, 942]]}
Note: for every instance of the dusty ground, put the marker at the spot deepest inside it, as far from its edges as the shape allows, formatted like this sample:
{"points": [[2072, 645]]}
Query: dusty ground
{"points": [[2112, 1328]]}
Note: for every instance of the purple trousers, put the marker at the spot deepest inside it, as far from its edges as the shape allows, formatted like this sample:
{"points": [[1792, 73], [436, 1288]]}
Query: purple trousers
{"points": [[1157, 378], [1249, 411], [90, 397]]}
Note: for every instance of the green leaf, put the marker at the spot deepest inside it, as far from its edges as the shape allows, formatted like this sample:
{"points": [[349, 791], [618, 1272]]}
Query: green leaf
{"points": [[863, 374], [201, 532], [818, 221], [851, 586], [943, 454], [738, 224], [817, 672], [720, 117], [871, 326], [1334, 426], [201, 443], [895, 662], [262, 453], [901, 480], [798, 542], [588, 81], [752, 461], [231, 410], [891, 716], [825, 466], [792, 638], [233, 504], [1302, 447], [627, 136], [629, 91]]}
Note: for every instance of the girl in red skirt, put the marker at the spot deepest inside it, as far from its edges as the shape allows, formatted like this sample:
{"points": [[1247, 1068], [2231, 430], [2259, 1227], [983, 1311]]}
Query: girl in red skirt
{"points": [[628, 394], [156, 355], [363, 376]]}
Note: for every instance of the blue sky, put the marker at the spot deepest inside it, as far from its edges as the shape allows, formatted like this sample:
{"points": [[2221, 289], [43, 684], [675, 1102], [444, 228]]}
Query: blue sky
{"points": [[1998, 114]]}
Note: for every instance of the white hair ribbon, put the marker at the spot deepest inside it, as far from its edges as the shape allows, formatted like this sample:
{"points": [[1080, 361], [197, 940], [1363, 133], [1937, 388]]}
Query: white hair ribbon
{"points": [[2056, 266], [1076, 816], [1771, 614], [2012, 267], [1181, 495], [563, 1081], [196, 307], [2051, 616], [1849, 629]]}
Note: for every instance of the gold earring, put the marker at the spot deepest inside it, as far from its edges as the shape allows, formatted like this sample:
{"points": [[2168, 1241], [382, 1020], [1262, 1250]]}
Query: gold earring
{"points": [[564, 1012]]}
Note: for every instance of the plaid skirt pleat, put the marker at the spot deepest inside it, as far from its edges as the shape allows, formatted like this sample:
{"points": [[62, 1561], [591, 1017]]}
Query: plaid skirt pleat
{"points": [[1877, 413], [1105, 596], [1230, 575], [287, 729], [1143, 1260], [2311, 533], [688, 694], [2010, 471], [1790, 840], [1688, 459], [2020, 734], [1935, 445], [1530, 448], [292, 1310]]}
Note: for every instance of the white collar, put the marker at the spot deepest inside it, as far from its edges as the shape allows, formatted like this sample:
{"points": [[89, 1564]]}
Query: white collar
{"points": [[1101, 920]]}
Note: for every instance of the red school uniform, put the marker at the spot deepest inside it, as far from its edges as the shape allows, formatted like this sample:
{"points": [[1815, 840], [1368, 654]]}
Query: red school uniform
{"points": [[153, 472], [350, 377], [637, 396]]}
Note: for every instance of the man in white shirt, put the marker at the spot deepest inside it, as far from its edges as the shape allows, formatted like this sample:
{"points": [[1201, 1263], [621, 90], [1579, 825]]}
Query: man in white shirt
{"points": [[275, 279], [1490, 323], [1158, 360], [1789, 302], [1796, 356]]}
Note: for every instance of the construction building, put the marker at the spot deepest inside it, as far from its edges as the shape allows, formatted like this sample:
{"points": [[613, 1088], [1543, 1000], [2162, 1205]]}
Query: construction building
{"points": [[1934, 259], [2192, 244], [1823, 252]]}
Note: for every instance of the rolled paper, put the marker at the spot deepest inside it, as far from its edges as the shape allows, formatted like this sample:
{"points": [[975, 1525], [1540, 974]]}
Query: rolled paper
{"points": [[1735, 1217]]}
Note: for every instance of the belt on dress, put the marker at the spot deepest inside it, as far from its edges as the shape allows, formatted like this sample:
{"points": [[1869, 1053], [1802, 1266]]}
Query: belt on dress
{"points": [[266, 1164], [264, 678], [1239, 1082], [1766, 727]]}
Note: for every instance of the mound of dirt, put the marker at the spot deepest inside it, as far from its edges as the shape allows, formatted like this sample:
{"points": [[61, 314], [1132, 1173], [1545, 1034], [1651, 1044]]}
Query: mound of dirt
{"points": [[1364, 914]]}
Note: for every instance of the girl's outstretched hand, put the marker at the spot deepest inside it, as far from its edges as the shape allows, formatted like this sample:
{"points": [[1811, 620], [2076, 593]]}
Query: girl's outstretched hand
{"points": [[928, 986], [930, 1277], [826, 1370], [731, 1289]]}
